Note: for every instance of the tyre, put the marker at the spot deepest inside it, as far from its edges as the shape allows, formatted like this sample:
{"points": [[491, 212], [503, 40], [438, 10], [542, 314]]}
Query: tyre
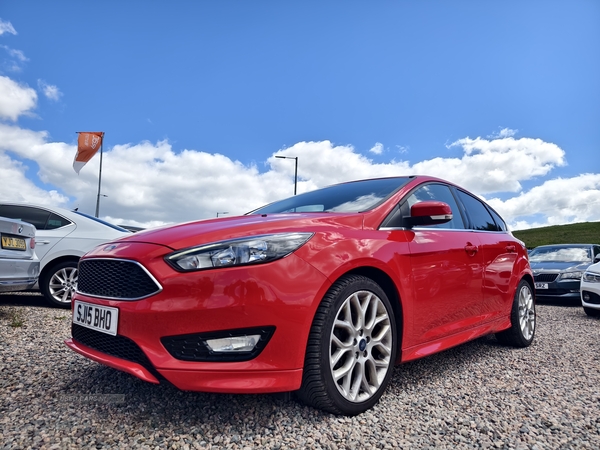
{"points": [[522, 318], [591, 311], [59, 283], [351, 348]]}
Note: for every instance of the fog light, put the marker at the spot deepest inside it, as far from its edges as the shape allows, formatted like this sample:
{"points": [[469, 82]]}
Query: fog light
{"points": [[586, 296], [233, 344]]}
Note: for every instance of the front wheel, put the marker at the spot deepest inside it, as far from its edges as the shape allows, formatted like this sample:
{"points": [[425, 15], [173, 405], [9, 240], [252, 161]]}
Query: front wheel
{"points": [[59, 284], [351, 348], [591, 312], [522, 318]]}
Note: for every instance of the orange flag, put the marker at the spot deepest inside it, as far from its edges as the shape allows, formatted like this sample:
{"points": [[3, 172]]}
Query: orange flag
{"points": [[88, 145]]}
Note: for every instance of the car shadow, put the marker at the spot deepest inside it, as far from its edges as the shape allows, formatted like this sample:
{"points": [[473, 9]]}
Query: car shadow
{"points": [[558, 301], [25, 298]]}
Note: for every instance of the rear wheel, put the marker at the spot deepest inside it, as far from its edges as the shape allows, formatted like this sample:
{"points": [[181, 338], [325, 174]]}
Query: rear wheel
{"points": [[59, 283], [522, 317], [591, 311], [351, 348]]}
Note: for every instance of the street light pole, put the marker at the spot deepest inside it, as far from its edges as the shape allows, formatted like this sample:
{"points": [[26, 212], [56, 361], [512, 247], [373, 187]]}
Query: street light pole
{"points": [[295, 172]]}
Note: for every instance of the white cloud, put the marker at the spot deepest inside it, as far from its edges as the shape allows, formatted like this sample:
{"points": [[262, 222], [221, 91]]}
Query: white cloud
{"points": [[15, 99], [150, 184], [51, 92], [17, 54], [377, 148], [6, 27], [503, 133], [561, 200], [497, 165]]}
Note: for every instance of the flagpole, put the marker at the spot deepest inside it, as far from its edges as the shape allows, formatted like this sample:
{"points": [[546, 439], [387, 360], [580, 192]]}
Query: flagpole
{"points": [[99, 180]]}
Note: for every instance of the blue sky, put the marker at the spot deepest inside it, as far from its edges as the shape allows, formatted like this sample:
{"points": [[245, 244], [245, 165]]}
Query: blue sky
{"points": [[197, 97]]}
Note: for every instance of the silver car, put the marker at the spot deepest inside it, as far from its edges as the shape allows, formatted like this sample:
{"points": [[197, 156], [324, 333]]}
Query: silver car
{"points": [[19, 265]]}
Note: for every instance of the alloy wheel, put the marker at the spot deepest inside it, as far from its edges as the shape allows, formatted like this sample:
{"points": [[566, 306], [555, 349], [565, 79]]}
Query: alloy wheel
{"points": [[63, 284], [526, 312], [361, 343]]}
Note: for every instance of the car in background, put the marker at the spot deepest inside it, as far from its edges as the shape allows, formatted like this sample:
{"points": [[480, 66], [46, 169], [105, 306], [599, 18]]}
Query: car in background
{"points": [[321, 293], [19, 265], [62, 237], [557, 269], [590, 290]]}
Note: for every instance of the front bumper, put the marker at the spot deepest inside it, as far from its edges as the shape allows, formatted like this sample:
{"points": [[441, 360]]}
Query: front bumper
{"points": [[590, 295], [559, 289], [283, 294]]}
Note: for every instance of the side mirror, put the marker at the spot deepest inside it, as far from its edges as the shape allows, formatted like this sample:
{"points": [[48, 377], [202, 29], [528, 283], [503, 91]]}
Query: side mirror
{"points": [[429, 213]]}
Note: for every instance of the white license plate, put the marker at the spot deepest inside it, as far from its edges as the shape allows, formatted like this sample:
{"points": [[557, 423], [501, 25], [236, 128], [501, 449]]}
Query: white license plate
{"points": [[541, 285], [100, 318]]}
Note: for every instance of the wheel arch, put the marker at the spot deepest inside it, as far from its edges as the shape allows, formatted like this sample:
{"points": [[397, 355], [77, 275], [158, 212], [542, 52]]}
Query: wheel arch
{"points": [[389, 287], [61, 259]]}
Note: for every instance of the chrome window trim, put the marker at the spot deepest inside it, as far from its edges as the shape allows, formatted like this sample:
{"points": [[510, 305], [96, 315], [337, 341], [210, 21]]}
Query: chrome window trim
{"points": [[441, 229]]}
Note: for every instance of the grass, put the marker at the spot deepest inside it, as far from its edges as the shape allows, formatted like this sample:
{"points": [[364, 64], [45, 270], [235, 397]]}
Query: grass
{"points": [[576, 233], [16, 318]]}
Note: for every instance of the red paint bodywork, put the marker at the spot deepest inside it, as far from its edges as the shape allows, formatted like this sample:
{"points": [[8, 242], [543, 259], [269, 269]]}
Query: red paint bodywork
{"points": [[448, 287]]}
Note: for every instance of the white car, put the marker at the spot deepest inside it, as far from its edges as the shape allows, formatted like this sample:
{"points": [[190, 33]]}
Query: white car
{"points": [[590, 290], [19, 265], [62, 237]]}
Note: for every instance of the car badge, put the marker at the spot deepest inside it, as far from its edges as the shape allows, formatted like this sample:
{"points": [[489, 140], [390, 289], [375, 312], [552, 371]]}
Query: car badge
{"points": [[108, 248], [20, 230]]}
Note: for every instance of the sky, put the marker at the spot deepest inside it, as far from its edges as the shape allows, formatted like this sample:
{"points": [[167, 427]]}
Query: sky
{"points": [[197, 98]]}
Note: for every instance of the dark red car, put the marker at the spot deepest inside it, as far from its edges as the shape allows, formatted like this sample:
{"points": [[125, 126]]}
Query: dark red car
{"points": [[321, 293]]}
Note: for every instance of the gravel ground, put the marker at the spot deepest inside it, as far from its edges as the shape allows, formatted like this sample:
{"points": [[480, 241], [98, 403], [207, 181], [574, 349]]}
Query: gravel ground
{"points": [[479, 395]]}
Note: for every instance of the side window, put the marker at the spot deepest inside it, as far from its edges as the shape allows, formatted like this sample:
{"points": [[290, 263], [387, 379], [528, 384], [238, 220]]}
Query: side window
{"points": [[499, 221], [435, 192], [56, 221], [481, 219], [35, 216], [39, 218]]}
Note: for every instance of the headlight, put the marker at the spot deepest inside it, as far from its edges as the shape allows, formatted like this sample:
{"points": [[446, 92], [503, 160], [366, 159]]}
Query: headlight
{"points": [[236, 252], [570, 275], [591, 277]]}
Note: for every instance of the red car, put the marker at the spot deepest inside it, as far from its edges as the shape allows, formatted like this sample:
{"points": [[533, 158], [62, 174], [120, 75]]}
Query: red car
{"points": [[321, 293]]}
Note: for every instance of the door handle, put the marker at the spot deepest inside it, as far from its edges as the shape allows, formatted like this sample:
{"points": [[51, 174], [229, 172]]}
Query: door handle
{"points": [[41, 242], [471, 249], [511, 248]]}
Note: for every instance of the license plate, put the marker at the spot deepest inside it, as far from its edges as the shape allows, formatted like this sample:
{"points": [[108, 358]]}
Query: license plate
{"points": [[13, 243], [100, 318], [541, 285]]}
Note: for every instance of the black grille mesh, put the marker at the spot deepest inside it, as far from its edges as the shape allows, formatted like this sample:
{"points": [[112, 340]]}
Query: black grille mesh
{"points": [[545, 277], [117, 279], [118, 346]]}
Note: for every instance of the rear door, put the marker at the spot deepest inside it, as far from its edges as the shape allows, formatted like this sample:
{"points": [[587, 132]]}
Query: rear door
{"points": [[498, 251]]}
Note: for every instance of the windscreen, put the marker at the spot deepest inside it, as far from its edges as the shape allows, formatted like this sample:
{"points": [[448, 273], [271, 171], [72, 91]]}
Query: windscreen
{"points": [[561, 254], [356, 196]]}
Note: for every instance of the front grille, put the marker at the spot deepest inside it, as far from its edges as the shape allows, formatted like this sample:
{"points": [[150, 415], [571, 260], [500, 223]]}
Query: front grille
{"points": [[115, 279], [117, 346], [545, 277]]}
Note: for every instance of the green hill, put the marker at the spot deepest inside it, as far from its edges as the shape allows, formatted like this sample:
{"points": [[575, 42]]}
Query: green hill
{"points": [[576, 233]]}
